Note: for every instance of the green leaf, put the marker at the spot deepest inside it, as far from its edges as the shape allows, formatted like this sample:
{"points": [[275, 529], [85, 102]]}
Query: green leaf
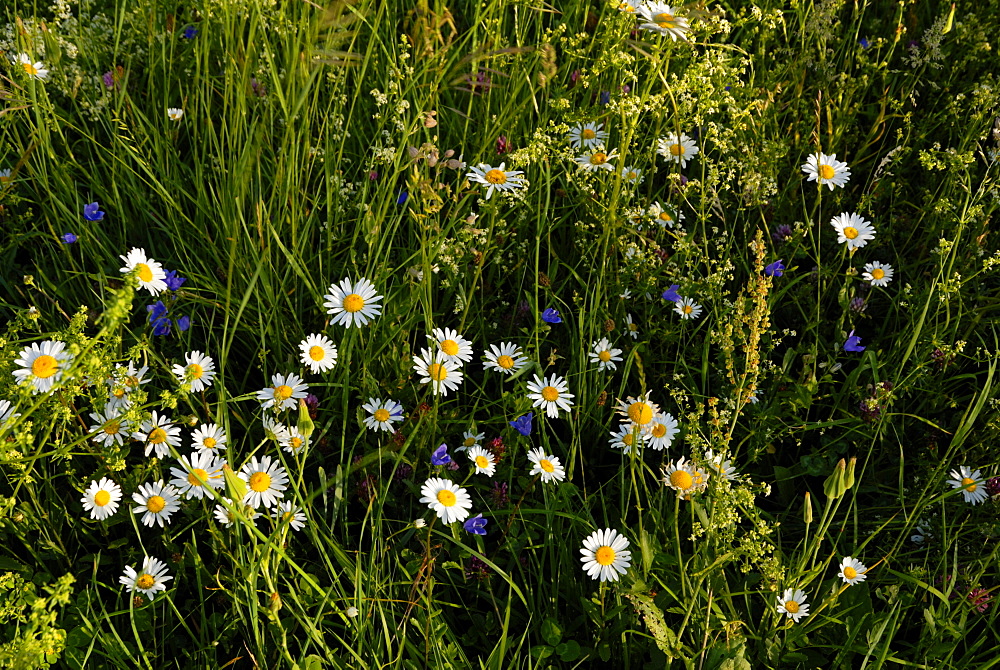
{"points": [[551, 632]]}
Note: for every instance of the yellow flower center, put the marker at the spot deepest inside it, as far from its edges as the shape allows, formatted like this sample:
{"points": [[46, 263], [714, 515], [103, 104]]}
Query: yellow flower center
{"points": [[850, 572], [282, 392], [676, 149], [30, 68], [546, 465], [446, 498], [681, 479], [587, 133], [437, 372], [826, 172], [640, 413], [878, 273], [102, 498], [628, 439], [209, 442], [295, 443], [155, 504], [118, 392], [664, 216], [145, 581], [850, 232], [659, 430], [260, 481], [505, 361], [605, 555], [482, 462], [132, 381], [44, 366], [664, 20], [469, 442], [157, 436], [196, 371], [604, 356], [598, 158], [792, 606], [496, 176], [145, 274], [969, 484], [687, 309], [550, 393], [449, 347], [381, 415], [112, 427], [317, 353], [633, 327], [197, 477], [354, 303]]}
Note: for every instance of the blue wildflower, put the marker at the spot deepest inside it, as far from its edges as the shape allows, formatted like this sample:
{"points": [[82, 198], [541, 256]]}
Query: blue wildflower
{"points": [[69, 238], [523, 423], [189, 33], [402, 197], [92, 212], [158, 318], [183, 323], [551, 316], [476, 525], [440, 456], [864, 43], [172, 281], [775, 269], [605, 97], [670, 295], [853, 343]]}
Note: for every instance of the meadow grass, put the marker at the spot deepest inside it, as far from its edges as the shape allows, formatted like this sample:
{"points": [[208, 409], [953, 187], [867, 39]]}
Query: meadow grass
{"points": [[323, 141]]}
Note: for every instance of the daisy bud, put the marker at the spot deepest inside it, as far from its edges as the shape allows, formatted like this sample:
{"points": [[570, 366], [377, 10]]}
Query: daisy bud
{"points": [[807, 509], [305, 424], [849, 475], [834, 485], [236, 488]]}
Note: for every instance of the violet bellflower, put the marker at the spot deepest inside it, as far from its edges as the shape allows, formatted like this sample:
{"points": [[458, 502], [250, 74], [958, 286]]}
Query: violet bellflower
{"points": [[522, 424], [440, 456], [92, 212], [476, 525], [775, 269], [551, 316], [853, 343], [670, 295]]}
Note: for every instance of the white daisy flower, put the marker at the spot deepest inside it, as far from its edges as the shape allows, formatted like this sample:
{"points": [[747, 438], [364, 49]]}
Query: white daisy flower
{"points": [[223, 515], [506, 359], [7, 413], [486, 463], [198, 369], [662, 431], [631, 175], [209, 438], [824, 169], [598, 159], [287, 511], [665, 217], [283, 393], [793, 603], [677, 149], [546, 465], [266, 480], [382, 414], [274, 430], [470, 440], [687, 308], [292, 441], [632, 327], [151, 577], [35, 70], [587, 135], [435, 369], [149, 272], [110, 427], [319, 354], [159, 434], [124, 380], [853, 230], [684, 477], [972, 484], [175, 113], [451, 503], [605, 555], [42, 364], [550, 393], [628, 437], [629, 6], [353, 305], [456, 348], [101, 498], [722, 468], [5, 176], [495, 178], [661, 18], [640, 411], [604, 355], [156, 503], [878, 274], [198, 472], [852, 571]]}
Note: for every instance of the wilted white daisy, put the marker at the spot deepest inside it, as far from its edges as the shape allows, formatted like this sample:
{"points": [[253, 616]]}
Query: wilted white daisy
{"points": [[666, 217], [198, 472], [223, 515], [662, 18], [156, 503], [677, 149], [382, 414], [149, 272], [151, 577], [266, 481], [495, 178], [175, 113], [283, 393], [605, 555], [450, 502], [5, 176], [878, 274], [604, 355], [292, 441], [972, 484], [597, 159], [274, 430], [198, 369], [101, 498], [824, 169], [640, 411], [110, 427], [852, 571], [486, 463], [456, 348], [662, 431], [793, 603], [435, 369], [853, 230], [628, 437], [550, 393], [507, 358], [288, 511], [470, 440], [7, 413], [35, 70], [159, 434], [353, 304], [318, 353], [722, 468], [546, 465], [209, 437], [631, 175], [123, 381], [587, 135], [632, 327], [687, 308], [42, 364], [684, 477]]}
